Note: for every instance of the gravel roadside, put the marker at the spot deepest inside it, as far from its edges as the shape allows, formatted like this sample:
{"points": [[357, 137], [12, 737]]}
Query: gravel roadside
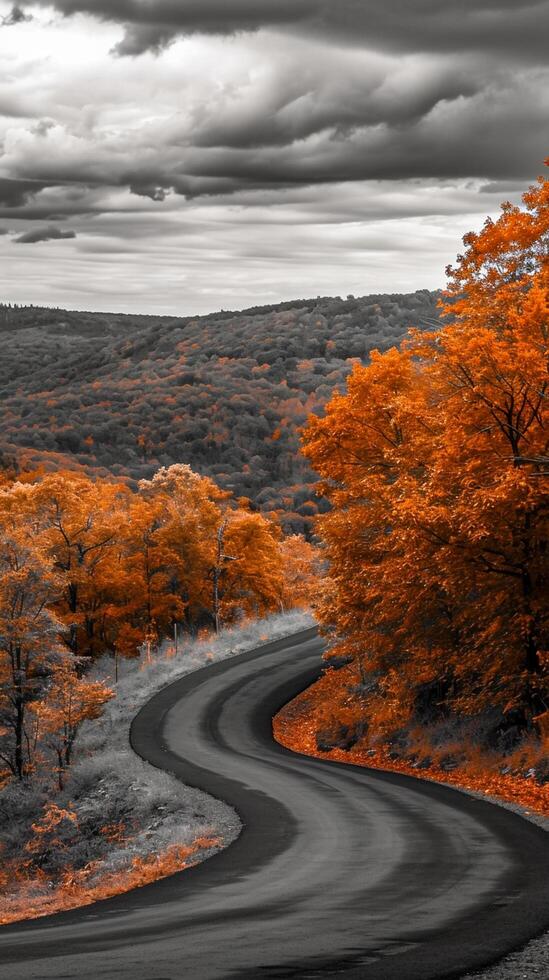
{"points": [[532, 961]]}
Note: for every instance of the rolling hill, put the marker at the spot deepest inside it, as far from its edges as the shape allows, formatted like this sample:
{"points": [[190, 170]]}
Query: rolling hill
{"points": [[225, 393]]}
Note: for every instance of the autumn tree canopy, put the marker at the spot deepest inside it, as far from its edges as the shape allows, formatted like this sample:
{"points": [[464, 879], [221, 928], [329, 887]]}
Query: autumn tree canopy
{"points": [[29, 646], [89, 566], [436, 463]]}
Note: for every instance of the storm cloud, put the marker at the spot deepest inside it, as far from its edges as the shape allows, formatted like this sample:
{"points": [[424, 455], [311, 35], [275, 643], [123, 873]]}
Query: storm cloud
{"points": [[335, 120], [394, 25], [43, 235], [15, 16], [135, 120], [16, 193]]}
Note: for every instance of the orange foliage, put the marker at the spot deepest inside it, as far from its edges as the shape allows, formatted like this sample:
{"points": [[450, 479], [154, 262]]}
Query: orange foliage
{"points": [[29, 647], [436, 463], [297, 726], [90, 566], [252, 582], [301, 564], [45, 830], [69, 702], [91, 884]]}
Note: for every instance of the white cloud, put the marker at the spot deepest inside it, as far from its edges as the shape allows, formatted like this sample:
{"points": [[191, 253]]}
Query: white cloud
{"points": [[210, 254]]}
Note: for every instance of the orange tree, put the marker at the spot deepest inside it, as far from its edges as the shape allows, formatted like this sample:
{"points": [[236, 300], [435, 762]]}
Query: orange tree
{"points": [[252, 583], [189, 514], [29, 647], [82, 521], [436, 463], [213, 558], [70, 700], [301, 562]]}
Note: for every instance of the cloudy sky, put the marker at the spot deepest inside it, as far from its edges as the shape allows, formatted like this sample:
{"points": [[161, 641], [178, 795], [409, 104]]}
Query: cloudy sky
{"points": [[182, 156]]}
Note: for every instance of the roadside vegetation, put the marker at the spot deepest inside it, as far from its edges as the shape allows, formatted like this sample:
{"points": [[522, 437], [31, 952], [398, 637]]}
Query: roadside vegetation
{"points": [[89, 567], [436, 465], [106, 592], [118, 823]]}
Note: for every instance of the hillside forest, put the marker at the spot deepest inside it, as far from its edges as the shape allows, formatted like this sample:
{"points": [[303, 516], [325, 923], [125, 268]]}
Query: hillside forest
{"points": [[123, 396]]}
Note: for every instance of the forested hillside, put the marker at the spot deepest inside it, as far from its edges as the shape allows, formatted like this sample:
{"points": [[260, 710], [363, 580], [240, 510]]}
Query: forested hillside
{"points": [[224, 393]]}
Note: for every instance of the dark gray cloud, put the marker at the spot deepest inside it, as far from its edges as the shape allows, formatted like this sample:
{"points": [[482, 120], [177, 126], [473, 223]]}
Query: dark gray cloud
{"points": [[50, 233], [454, 144], [17, 193], [142, 188], [66, 195], [313, 115], [152, 26], [15, 16], [520, 29], [276, 112], [283, 142], [306, 104], [451, 139], [462, 138]]}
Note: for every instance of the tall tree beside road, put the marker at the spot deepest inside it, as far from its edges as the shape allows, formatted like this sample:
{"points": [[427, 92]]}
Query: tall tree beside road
{"points": [[436, 463]]}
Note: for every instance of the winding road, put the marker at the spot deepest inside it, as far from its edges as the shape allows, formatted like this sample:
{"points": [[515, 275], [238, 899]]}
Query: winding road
{"points": [[339, 872]]}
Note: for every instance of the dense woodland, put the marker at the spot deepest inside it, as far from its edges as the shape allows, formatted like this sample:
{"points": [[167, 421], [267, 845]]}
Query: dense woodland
{"points": [[436, 463], [226, 394]]}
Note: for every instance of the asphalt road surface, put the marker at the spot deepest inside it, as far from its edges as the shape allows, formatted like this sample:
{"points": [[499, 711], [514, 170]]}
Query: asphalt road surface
{"points": [[339, 872]]}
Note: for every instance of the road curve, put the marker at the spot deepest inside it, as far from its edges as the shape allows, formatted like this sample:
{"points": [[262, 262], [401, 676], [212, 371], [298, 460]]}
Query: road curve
{"points": [[339, 872]]}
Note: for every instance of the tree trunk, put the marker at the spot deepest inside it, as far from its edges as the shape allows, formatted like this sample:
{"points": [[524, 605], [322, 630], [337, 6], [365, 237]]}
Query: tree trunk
{"points": [[19, 727], [215, 597], [531, 656]]}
